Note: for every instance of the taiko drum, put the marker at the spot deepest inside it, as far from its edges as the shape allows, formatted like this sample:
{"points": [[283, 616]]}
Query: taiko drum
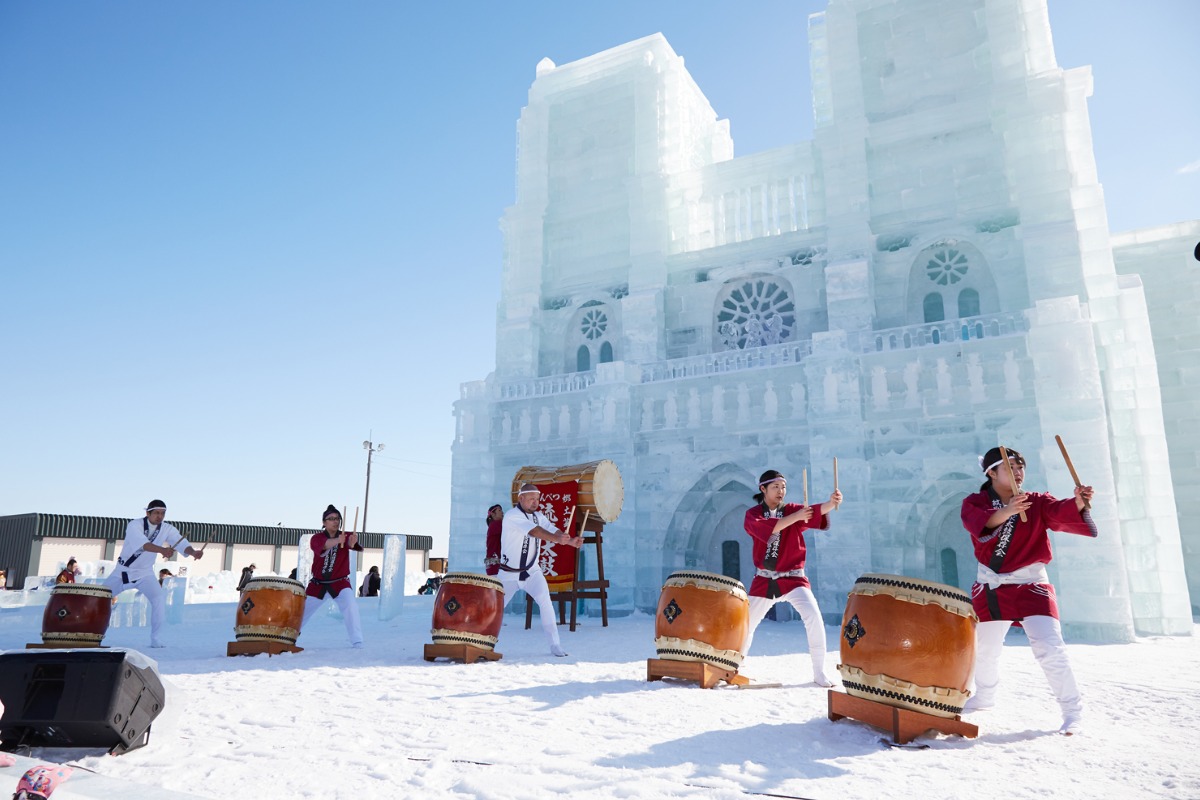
{"points": [[468, 609], [601, 490], [270, 610], [702, 617], [908, 643], [77, 614]]}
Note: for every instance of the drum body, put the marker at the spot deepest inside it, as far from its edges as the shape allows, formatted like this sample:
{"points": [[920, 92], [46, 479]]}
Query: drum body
{"points": [[77, 614], [702, 617], [601, 490], [468, 609], [271, 610], [908, 643]]}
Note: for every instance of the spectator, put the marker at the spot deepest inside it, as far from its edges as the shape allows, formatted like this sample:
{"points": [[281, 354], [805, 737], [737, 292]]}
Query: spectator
{"points": [[247, 574], [70, 571], [370, 583]]}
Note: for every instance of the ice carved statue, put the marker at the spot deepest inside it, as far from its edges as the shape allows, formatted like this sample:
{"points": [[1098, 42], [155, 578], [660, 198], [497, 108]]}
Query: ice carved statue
{"points": [[564, 421], [506, 429], [944, 392], [585, 417], [912, 373], [718, 405], [729, 333], [610, 413], [693, 408], [879, 389], [544, 424], [743, 401], [1012, 377], [975, 378], [798, 401], [524, 426], [770, 403], [647, 413], [671, 410]]}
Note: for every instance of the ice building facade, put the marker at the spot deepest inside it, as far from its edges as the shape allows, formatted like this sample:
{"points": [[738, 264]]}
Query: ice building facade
{"points": [[932, 273]]}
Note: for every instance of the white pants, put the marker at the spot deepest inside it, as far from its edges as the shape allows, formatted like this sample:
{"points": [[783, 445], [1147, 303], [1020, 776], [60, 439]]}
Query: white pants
{"points": [[803, 600], [535, 586], [150, 588], [1046, 642], [345, 603]]}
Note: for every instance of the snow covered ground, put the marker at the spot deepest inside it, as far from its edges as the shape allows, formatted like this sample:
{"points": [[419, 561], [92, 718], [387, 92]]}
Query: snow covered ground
{"points": [[332, 722]]}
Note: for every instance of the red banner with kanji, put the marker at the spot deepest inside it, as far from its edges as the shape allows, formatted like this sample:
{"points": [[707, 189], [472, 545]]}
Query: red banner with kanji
{"points": [[558, 560]]}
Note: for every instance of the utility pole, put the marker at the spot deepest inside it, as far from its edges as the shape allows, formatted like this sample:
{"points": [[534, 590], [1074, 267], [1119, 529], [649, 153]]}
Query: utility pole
{"points": [[371, 449]]}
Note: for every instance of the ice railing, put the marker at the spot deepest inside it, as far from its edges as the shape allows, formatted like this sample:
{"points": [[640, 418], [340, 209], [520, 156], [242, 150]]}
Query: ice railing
{"points": [[542, 387], [726, 361], [986, 326]]}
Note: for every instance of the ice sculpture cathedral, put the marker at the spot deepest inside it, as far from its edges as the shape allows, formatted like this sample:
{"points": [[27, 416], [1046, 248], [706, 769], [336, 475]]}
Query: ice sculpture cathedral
{"points": [[932, 273]]}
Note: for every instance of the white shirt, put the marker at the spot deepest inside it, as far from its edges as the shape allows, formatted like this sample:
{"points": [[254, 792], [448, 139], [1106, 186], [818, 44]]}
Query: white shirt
{"points": [[163, 535], [516, 526]]}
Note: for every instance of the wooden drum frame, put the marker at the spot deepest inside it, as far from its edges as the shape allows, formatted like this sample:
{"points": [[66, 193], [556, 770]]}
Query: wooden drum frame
{"points": [[77, 614], [704, 617], [601, 490], [908, 643], [270, 610], [468, 609]]}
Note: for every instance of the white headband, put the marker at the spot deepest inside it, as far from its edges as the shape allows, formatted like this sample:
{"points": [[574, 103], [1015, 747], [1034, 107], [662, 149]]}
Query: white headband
{"points": [[529, 491]]}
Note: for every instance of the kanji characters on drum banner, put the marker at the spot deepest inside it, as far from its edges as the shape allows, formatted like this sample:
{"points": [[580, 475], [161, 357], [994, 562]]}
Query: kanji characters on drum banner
{"points": [[1010, 532]]}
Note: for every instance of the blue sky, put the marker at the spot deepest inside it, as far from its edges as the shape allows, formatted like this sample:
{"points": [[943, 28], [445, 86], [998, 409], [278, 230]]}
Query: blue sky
{"points": [[238, 238]]}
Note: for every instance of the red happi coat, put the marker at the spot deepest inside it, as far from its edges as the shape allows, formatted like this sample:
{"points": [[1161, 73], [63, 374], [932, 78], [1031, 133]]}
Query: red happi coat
{"points": [[491, 559], [330, 569], [792, 550], [1029, 544]]}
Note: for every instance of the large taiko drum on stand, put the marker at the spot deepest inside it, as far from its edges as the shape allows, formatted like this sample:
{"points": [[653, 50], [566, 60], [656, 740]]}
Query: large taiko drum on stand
{"points": [[702, 617], [601, 490], [271, 610], [77, 614], [468, 609], [909, 643]]}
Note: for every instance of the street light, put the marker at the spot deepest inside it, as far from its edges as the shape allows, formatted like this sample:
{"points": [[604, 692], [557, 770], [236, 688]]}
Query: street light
{"points": [[371, 449]]}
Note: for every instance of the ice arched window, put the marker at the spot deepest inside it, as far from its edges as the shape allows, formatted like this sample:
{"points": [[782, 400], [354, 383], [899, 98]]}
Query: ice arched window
{"points": [[754, 312], [968, 303], [591, 336], [935, 310]]}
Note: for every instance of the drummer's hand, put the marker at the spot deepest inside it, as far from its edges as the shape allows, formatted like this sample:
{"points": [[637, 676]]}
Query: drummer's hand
{"points": [[805, 513], [836, 498], [1018, 504], [1083, 496], [351, 539], [194, 553]]}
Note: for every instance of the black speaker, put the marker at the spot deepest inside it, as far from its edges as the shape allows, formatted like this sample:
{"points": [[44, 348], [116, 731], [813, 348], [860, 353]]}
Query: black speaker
{"points": [[77, 698]]}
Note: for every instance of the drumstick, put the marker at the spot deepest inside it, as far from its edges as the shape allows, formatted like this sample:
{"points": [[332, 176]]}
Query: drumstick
{"points": [[804, 481], [571, 519], [355, 528], [342, 521], [1012, 476], [1074, 475], [835, 478]]}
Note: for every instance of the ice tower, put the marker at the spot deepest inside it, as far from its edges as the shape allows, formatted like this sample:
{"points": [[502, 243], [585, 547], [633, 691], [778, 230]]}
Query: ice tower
{"points": [[931, 274]]}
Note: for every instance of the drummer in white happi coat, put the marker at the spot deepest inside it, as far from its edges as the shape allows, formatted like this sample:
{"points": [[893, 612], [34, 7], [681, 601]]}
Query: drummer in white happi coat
{"points": [[146, 539], [519, 568]]}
